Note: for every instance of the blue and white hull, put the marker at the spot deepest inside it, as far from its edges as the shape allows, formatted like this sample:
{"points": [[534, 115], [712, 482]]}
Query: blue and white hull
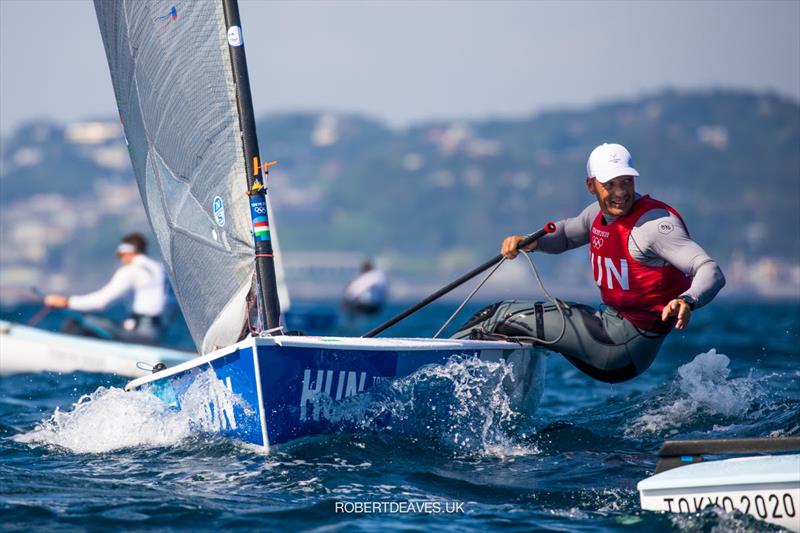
{"points": [[271, 390], [765, 487]]}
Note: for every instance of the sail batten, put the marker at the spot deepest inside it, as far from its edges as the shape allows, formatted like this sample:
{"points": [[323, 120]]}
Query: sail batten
{"points": [[173, 80]]}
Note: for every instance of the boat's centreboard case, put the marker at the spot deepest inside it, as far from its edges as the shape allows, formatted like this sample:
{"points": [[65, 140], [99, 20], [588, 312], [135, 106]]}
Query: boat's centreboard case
{"points": [[286, 387]]}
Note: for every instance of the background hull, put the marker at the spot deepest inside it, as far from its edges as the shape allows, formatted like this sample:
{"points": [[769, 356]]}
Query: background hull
{"points": [[25, 349]]}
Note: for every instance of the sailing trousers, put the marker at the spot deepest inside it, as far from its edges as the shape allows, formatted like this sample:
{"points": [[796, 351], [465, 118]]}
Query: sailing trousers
{"points": [[599, 342]]}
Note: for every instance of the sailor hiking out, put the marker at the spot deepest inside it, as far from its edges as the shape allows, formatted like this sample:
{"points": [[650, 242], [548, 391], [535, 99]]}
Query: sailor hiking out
{"points": [[140, 277], [650, 273]]}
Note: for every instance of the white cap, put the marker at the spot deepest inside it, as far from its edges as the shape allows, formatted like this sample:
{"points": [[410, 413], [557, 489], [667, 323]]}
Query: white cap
{"points": [[608, 161], [126, 248]]}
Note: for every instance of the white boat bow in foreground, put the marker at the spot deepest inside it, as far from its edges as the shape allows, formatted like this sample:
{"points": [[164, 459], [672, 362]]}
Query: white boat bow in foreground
{"points": [[766, 487]]}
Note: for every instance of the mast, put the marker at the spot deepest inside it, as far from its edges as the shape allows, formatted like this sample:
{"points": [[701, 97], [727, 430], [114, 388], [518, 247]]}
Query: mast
{"points": [[269, 308]]}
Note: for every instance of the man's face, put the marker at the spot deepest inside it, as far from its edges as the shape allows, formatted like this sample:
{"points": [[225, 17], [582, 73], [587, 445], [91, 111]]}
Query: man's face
{"points": [[614, 196], [126, 258]]}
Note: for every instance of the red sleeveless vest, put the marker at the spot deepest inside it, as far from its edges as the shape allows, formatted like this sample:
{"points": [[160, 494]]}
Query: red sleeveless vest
{"points": [[639, 292]]}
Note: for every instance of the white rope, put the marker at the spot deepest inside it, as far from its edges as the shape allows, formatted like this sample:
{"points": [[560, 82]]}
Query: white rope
{"points": [[460, 307], [552, 299], [269, 332]]}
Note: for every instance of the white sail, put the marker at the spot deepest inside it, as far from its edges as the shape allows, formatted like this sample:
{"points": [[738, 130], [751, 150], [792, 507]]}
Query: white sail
{"points": [[172, 75]]}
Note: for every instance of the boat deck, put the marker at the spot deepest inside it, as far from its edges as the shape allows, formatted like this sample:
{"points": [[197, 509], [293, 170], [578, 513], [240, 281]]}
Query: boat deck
{"points": [[729, 472]]}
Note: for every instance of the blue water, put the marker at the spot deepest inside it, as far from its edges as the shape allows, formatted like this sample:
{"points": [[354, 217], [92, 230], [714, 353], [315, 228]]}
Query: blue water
{"points": [[115, 461]]}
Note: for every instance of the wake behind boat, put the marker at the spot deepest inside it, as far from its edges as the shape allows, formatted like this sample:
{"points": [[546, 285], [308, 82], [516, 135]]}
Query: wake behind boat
{"points": [[25, 349]]}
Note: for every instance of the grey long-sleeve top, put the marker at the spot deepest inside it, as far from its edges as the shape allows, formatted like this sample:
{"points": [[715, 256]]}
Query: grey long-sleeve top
{"points": [[648, 246]]}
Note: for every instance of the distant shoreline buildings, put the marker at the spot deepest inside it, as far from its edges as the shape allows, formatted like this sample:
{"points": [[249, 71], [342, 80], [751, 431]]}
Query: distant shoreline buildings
{"points": [[428, 203]]}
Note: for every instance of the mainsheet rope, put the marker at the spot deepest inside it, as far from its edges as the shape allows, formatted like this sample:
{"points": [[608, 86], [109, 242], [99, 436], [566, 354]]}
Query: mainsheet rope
{"points": [[516, 338]]}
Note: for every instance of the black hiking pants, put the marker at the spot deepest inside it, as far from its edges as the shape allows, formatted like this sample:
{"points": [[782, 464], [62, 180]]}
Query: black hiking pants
{"points": [[600, 343]]}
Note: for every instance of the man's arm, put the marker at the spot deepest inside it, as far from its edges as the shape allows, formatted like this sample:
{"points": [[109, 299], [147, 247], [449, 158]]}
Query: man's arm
{"points": [[664, 238], [570, 233], [121, 282]]}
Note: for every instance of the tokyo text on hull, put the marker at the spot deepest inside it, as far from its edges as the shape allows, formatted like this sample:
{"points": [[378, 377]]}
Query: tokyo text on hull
{"points": [[766, 487]]}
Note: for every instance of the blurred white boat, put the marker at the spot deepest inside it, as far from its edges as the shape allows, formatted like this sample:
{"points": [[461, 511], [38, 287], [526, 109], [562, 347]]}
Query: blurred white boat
{"points": [[26, 349], [766, 487]]}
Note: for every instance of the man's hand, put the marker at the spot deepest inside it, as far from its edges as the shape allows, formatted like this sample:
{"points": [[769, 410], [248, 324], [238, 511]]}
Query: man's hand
{"points": [[679, 307], [509, 248], [56, 300]]}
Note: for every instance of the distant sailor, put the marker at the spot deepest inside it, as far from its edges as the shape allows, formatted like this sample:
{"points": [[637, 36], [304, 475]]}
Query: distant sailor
{"points": [[651, 276], [140, 277], [367, 293]]}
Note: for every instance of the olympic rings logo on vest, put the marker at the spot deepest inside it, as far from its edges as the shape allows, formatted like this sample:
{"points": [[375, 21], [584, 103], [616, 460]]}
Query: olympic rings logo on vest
{"points": [[597, 242]]}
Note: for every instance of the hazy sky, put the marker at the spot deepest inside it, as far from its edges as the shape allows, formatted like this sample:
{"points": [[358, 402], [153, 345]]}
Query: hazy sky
{"points": [[407, 61]]}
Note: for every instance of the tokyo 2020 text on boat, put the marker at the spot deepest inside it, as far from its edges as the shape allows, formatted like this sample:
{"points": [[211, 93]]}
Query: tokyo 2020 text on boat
{"points": [[766, 487], [180, 78]]}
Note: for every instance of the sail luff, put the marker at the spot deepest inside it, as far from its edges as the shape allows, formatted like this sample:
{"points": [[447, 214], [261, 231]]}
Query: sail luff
{"points": [[256, 185], [173, 79]]}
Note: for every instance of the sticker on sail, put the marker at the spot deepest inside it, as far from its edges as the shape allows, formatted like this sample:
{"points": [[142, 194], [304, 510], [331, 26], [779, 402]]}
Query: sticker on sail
{"points": [[169, 16], [235, 36], [172, 14], [219, 211]]}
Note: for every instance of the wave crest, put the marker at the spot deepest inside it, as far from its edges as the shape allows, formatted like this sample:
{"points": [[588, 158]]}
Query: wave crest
{"points": [[702, 388], [111, 419]]}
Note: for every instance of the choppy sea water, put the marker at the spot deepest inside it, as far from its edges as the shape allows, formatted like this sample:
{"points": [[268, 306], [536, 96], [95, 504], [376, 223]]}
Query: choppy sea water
{"points": [[77, 452]]}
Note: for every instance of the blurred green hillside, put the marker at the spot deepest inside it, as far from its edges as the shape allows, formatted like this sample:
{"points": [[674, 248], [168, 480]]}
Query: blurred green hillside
{"points": [[729, 161], [437, 198]]}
